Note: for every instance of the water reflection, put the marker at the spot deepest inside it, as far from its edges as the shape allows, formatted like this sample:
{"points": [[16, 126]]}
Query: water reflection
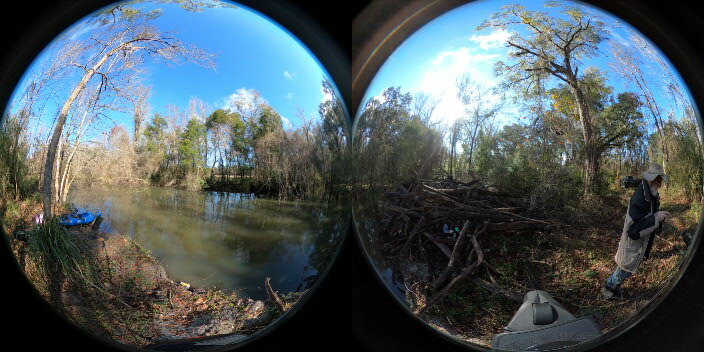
{"points": [[367, 217], [224, 240]]}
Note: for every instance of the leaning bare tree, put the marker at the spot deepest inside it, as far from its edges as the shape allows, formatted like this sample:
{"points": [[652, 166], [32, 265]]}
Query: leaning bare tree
{"points": [[88, 111], [553, 47], [629, 65], [116, 51], [29, 105]]}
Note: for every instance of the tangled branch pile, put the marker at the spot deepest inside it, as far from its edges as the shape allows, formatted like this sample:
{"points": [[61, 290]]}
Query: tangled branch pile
{"points": [[432, 260]]}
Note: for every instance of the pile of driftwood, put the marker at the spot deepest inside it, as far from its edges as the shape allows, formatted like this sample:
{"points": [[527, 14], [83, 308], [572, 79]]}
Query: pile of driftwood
{"points": [[419, 241]]}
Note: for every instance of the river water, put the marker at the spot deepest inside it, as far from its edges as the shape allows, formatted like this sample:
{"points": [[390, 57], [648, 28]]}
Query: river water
{"points": [[367, 214], [223, 240]]}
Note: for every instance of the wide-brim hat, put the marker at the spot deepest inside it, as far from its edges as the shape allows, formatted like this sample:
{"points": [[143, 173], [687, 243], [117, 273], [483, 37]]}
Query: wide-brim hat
{"points": [[654, 171]]}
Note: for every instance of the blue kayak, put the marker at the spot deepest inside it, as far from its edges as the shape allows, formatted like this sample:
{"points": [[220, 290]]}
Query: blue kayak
{"points": [[78, 218]]}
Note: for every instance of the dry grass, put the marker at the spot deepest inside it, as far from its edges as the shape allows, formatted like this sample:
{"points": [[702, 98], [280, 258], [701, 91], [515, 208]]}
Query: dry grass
{"points": [[571, 263], [136, 303]]}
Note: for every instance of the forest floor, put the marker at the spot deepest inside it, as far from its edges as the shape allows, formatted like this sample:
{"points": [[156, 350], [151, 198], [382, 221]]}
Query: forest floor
{"points": [[571, 262], [136, 303]]}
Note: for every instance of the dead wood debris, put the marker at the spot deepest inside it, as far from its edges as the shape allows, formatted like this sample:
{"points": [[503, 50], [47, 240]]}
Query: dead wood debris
{"points": [[274, 296], [421, 209]]}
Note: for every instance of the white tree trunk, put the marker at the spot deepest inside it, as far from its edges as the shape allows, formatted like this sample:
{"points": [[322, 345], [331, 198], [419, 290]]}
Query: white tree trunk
{"points": [[54, 147]]}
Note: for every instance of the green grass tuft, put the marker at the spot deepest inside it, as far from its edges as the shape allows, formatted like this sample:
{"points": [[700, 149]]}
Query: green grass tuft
{"points": [[53, 246]]}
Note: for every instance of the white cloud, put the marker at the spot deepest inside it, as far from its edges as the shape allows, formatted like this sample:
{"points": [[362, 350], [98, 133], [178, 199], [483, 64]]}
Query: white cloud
{"points": [[440, 77], [286, 123], [326, 96], [288, 75], [243, 99], [495, 39], [381, 98], [289, 96]]}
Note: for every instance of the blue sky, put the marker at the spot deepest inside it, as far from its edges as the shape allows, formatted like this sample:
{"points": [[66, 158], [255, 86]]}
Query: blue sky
{"points": [[432, 58], [253, 53]]}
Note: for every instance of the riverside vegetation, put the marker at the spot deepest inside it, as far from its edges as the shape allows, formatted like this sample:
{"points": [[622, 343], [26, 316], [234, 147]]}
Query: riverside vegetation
{"points": [[108, 283]]}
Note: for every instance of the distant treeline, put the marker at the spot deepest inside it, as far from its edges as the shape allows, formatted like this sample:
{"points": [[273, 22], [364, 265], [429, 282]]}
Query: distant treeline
{"points": [[569, 135], [245, 149], [51, 147], [541, 158]]}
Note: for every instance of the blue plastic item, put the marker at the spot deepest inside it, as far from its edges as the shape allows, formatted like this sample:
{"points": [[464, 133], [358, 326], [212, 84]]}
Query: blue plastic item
{"points": [[78, 218]]}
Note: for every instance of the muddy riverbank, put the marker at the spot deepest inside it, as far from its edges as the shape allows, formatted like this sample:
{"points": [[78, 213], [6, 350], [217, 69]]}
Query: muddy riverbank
{"points": [[134, 302]]}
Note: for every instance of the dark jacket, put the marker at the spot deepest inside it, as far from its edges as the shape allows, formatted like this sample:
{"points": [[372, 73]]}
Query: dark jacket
{"points": [[638, 228], [642, 209]]}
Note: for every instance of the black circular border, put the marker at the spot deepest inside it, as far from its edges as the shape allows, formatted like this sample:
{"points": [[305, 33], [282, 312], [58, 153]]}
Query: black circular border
{"points": [[34, 322], [677, 314]]}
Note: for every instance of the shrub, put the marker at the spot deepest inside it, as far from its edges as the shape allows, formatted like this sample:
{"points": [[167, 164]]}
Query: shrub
{"points": [[557, 188]]}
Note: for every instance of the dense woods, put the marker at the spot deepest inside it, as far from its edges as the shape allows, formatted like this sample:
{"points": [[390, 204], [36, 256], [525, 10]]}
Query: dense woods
{"points": [[541, 156], [220, 149], [523, 190], [573, 134], [241, 148]]}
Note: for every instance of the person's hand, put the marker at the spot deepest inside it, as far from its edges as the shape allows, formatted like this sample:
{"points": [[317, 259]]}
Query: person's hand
{"points": [[661, 215]]}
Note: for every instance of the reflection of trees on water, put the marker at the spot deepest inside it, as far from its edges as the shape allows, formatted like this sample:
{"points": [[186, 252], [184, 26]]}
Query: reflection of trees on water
{"points": [[367, 215], [331, 219], [318, 230], [221, 204], [367, 219], [242, 254], [233, 234]]}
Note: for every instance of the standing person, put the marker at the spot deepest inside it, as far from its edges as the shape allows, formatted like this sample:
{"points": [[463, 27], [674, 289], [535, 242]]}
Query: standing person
{"points": [[643, 219]]}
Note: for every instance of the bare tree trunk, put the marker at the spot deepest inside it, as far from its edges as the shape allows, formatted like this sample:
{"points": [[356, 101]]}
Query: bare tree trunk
{"points": [[63, 190], [24, 116], [591, 152], [239, 168], [15, 164], [58, 130], [65, 186], [212, 168], [221, 167], [206, 151], [657, 116], [473, 143], [70, 178], [57, 168], [453, 149]]}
